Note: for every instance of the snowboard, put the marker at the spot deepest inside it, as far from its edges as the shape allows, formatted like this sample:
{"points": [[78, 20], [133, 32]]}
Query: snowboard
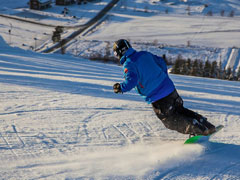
{"points": [[201, 138]]}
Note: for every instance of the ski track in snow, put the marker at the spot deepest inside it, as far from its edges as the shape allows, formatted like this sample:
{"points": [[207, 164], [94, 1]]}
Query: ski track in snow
{"points": [[59, 119], [54, 127]]}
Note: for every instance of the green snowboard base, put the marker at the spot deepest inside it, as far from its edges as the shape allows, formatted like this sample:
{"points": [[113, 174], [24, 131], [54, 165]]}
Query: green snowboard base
{"points": [[201, 138]]}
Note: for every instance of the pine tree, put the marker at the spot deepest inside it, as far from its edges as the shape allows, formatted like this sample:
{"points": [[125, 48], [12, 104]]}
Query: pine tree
{"points": [[231, 14], [199, 67], [238, 74], [176, 67], [224, 75], [166, 59], [195, 68], [214, 69], [185, 70], [207, 69], [220, 71], [228, 73], [201, 70], [188, 66], [183, 67], [189, 63], [233, 76]]}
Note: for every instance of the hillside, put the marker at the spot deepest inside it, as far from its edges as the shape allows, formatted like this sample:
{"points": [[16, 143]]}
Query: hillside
{"points": [[147, 25], [59, 117], [170, 27], [61, 120]]}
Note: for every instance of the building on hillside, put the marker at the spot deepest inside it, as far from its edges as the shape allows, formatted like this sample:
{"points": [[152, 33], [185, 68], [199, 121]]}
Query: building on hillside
{"points": [[40, 4], [64, 2]]}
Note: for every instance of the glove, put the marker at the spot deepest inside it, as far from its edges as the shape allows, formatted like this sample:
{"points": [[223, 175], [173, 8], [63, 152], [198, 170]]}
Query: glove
{"points": [[117, 88]]}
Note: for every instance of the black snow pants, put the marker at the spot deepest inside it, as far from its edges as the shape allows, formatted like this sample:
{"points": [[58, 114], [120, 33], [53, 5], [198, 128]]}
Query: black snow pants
{"points": [[174, 116]]}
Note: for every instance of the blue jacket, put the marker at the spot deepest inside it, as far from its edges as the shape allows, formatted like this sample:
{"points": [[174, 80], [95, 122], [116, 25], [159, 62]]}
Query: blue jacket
{"points": [[147, 73]]}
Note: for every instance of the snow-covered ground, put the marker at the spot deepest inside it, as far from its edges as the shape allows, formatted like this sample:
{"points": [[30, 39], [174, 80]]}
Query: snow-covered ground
{"points": [[137, 20], [173, 30], [75, 14], [61, 120], [32, 36], [148, 27], [144, 23]]}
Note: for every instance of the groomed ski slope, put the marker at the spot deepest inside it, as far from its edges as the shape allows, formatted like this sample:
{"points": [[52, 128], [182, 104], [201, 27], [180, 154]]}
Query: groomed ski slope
{"points": [[59, 119]]}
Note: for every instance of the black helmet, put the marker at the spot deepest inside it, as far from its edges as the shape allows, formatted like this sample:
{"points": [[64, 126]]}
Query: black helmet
{"points": [[120, 47]]}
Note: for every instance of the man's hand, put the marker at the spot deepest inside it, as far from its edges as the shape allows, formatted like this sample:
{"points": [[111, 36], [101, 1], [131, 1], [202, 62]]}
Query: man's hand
{"points": [[117, 88]]}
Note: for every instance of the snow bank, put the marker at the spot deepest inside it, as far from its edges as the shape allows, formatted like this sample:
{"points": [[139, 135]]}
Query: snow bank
{"points": [[4, 47], [3, 44]]}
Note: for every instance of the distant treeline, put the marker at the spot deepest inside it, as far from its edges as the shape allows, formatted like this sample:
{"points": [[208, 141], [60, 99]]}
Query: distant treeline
{"points": [[204, 69]]}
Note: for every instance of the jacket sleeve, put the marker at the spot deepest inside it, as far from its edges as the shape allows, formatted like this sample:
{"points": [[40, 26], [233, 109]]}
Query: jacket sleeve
{"points": [[160, 61], [130, 76]]}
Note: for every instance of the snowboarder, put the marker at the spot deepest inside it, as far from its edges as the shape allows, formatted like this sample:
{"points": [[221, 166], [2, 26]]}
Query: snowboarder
{"points": [[148, 74]]}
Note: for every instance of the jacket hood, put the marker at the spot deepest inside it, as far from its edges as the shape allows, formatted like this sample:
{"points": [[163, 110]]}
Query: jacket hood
{"points": [[127, 54]]}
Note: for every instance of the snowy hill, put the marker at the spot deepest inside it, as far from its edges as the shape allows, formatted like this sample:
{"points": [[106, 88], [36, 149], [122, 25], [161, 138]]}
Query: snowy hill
{"points": [[147, 25], [59, 119], [181, 27]]}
